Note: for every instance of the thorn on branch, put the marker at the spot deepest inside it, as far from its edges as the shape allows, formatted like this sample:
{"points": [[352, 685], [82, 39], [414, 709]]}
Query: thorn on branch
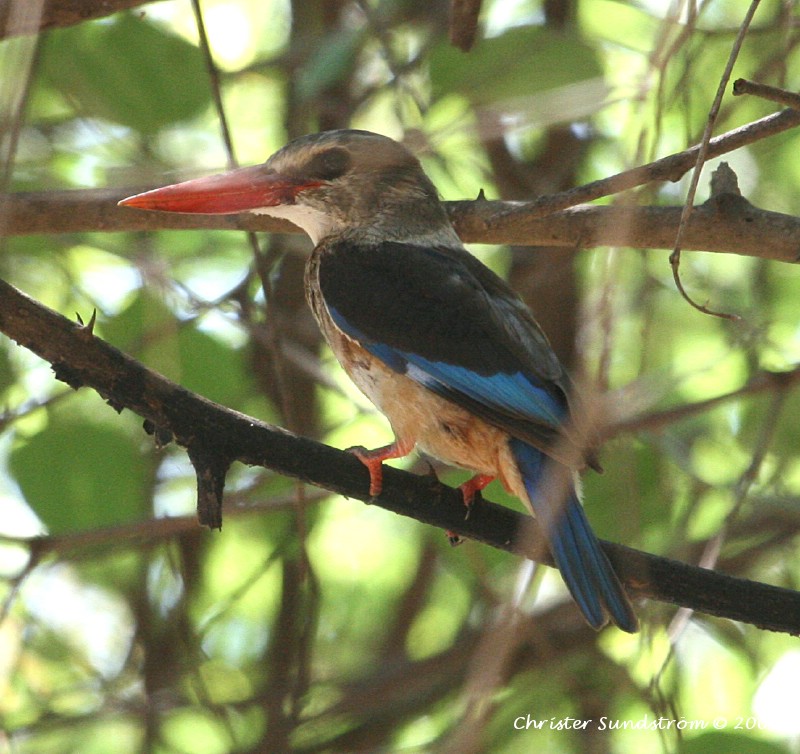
{"points": [[87, 330], [115, 404]]}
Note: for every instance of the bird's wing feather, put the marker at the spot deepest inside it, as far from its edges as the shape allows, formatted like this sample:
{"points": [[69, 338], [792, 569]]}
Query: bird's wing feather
{"points": [[442, 318]]}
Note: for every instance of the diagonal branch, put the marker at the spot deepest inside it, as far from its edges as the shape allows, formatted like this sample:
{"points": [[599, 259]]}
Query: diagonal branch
{"points": [[671, 168], [215, 437]]}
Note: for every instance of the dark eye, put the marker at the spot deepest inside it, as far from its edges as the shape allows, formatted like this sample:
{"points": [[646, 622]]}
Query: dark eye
{"points": [[330, 164]]}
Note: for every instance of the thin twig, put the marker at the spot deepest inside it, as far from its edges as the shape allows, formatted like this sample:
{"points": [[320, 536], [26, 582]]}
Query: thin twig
{"points": [[771, 93], [214, 82], [675, 257], [15, 117], [713, 547], [670, 168], [762, 382]]}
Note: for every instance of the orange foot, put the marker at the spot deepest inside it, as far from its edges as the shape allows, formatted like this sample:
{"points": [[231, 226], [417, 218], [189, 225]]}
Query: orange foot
{"points": [[468, 491], [373, 460], [472, 486]]}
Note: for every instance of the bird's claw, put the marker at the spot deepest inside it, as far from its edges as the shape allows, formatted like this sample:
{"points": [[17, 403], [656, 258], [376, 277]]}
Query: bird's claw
{"points": [[471, 490], [373, 460]]}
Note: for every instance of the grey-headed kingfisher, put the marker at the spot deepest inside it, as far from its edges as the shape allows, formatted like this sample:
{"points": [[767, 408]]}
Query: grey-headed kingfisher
{"points": [[437, 341]]}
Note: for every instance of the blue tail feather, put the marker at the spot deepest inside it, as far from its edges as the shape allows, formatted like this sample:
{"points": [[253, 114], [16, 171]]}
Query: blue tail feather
{"points": [[576, 550]]}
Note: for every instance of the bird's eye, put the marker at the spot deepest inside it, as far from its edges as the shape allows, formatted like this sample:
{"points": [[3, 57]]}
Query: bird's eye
{"points": [[330, 164]]}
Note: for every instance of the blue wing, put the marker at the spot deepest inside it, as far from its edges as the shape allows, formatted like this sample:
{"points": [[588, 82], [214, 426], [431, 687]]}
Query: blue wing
{"points": [[446, 321], [504, 395]]}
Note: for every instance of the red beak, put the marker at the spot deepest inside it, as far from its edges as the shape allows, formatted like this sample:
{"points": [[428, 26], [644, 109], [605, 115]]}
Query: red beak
{"points": [[224, 194]]}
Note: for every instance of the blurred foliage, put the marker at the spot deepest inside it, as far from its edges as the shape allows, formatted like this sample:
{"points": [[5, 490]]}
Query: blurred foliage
{"points": [[152, 72], [313, 623], [558, 59]]}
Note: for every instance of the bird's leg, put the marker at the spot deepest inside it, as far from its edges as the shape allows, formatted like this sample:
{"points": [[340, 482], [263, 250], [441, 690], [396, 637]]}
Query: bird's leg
{"points": [[373, 460], [472, 486], [468, 491]]}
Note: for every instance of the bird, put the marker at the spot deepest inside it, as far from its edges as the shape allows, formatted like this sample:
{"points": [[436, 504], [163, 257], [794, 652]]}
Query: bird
{"points": [[438, 342]]}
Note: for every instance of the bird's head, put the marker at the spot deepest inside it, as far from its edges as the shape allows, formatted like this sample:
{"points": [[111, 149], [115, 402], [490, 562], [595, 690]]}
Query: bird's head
{"points": [[329, 184]]}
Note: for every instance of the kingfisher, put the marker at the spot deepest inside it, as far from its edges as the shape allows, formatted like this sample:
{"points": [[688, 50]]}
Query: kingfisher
{"points": [[440, 344]]}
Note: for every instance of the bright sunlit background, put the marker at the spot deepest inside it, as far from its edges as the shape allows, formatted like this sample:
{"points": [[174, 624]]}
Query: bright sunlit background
{"points": [[313, 623]]}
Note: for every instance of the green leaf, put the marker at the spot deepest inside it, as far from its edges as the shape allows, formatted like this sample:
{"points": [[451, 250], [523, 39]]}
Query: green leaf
{"points": [[146, 322], [150, 332], [126, 70], [518, 63], [213, 369], [81, 473], [334, 56], [626, 499]]}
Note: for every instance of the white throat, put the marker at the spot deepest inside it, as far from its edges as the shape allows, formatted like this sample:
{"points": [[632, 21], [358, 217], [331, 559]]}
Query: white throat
{"points": [[316, 224], [319, 225]]}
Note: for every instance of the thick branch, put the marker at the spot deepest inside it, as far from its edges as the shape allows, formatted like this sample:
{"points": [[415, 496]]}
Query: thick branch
{"points": [[727, 223], [215, 437]]}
